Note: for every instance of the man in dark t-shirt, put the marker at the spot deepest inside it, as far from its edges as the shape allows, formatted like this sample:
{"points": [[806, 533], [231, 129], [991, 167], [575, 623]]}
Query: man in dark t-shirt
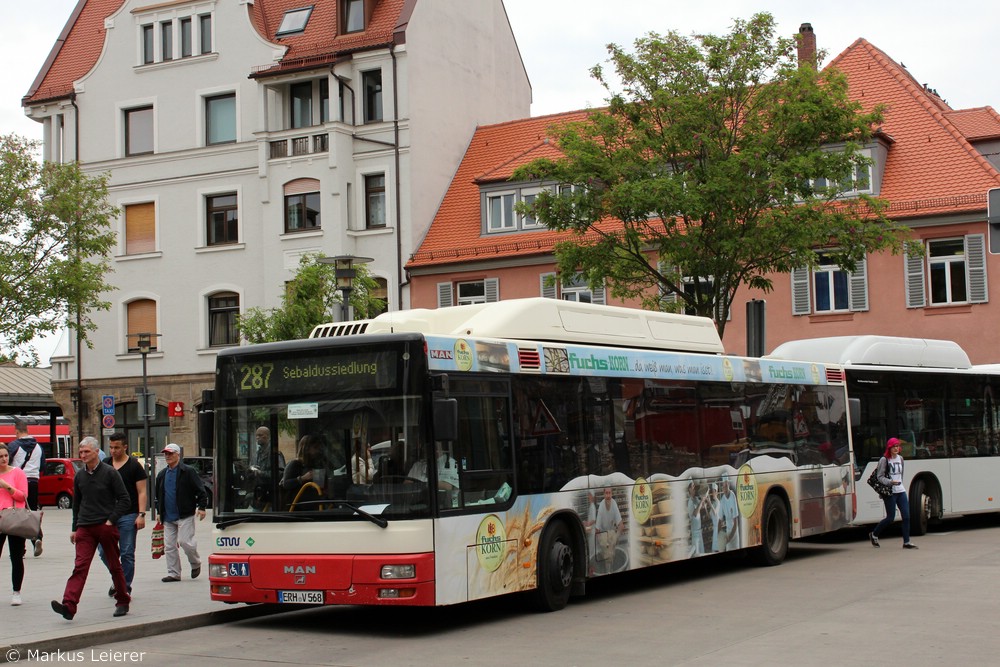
{"points": [[134, 476]]}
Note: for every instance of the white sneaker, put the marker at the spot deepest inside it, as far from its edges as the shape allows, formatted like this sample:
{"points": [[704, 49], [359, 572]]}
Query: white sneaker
{"points": [[15, 599]]}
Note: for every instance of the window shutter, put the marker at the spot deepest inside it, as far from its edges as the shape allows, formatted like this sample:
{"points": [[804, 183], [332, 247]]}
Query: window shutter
{"points": [[800, 291], [141, 315], [301, 186], [600, 296], [492, 286], [858, 292], [975, 252], [665, 296], [916, 296], [140, 228], [547, 285], [445, 295]]}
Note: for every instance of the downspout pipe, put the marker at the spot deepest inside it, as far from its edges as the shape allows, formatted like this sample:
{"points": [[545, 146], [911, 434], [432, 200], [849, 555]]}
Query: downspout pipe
{"points": [[399, 216]]}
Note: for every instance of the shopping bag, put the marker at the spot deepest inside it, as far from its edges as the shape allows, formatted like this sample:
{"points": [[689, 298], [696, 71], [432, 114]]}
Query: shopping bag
{"points": [[157, 540], [21, 522]]}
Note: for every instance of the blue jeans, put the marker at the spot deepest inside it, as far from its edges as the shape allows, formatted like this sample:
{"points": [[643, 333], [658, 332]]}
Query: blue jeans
{"points": [[896, 500], [126, 546]]}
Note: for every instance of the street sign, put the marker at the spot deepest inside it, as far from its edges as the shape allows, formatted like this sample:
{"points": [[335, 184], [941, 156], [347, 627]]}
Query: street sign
{"points": [[108, 404], [108, 421]]}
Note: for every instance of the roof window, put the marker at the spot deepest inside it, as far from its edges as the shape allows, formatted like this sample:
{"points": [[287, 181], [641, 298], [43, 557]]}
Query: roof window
{"points": [[294, 21]]}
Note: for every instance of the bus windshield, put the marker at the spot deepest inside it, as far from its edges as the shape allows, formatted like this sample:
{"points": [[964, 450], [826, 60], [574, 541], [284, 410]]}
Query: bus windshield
{"points": [[321, 436]]}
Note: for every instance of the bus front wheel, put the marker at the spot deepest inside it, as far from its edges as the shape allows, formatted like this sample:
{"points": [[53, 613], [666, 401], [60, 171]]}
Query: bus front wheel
{"points": [[555, 565], [774, 532]]}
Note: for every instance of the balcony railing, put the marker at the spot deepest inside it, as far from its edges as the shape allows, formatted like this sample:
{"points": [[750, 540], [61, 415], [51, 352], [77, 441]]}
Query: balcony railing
{"points": [[292, 146]]}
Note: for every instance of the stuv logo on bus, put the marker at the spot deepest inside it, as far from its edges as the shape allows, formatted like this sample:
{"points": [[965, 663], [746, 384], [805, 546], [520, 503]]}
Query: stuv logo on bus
{"points": [[491, 543], [642, 500], [463, 355], [746, 490]]}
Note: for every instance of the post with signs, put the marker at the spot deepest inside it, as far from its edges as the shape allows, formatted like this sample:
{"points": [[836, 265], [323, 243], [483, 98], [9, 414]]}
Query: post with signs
{"points": [[993, 219]]}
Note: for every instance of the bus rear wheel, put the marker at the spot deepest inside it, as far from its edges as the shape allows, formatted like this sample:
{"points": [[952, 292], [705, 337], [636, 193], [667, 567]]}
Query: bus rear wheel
{"points": [[555, 566], [774, 533], [923, 508]]}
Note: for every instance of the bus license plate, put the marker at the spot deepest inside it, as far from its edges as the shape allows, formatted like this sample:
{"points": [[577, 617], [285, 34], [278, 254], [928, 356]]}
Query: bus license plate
{"points": [[300, 597]]}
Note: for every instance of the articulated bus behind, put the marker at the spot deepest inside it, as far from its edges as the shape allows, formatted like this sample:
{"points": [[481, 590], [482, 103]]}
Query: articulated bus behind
{"points": [[437, 457], [928, 394]]}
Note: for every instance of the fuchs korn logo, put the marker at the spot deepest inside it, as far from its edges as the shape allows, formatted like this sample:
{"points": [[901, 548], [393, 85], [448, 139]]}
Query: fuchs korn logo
{"points": [[746, 490], [642, 500], [491, 543]]}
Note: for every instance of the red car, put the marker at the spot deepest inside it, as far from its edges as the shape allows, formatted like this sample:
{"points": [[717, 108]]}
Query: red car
{"points": [[55, 485]]}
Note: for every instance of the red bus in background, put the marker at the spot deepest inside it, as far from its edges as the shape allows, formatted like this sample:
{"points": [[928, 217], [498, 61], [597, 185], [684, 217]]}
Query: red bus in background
{"points": [[40, 429]]}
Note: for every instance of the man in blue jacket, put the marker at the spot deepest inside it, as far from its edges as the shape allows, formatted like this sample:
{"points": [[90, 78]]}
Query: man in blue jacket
{"points": [[180, 495]]}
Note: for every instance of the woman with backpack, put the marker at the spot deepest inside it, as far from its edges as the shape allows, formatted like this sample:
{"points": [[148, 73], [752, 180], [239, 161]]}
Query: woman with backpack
{"points": [[890, 473]]}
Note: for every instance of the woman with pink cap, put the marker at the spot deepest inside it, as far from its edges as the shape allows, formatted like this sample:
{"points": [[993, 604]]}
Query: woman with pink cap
{"points": [[890, 473]]}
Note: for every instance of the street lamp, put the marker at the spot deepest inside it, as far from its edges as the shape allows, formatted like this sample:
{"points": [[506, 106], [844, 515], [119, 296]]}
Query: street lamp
{"points": [[345, 273], [144, 342]]}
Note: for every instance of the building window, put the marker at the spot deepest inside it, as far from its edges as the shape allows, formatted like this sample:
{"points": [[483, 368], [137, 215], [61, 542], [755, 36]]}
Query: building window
{"points": [[353, 17], [147, 44], [167, 40], [371, 83], [473, 291], [141, 316], [375, 201], [223, 315], [186, 43], [205, 32], [324, 100], [294, 21], [500, 212], [140, 228], [300, 95], [830, 284], [222, 219], [946, 262], [528, 221], [139, 131], [302, 205], [576, 289], [220, 119]]}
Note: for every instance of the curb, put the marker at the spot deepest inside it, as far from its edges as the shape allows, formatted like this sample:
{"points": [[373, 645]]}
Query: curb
{"points": [[13, 653]]}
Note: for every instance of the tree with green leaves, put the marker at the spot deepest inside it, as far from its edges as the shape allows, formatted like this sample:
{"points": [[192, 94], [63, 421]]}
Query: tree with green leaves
{"points": [[55, 238], [718, 163], [310, 298]]}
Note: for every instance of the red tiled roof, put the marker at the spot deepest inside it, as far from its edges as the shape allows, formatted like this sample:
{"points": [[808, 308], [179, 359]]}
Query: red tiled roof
{"points": [[80, 45], [932, 168], [976, 124]]}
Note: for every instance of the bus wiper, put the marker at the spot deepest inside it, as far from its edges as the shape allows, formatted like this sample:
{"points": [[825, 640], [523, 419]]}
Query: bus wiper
{"points": [[377, 520], [264, 518]]}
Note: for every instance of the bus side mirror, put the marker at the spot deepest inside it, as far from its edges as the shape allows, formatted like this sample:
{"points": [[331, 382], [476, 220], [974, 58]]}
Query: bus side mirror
{"points": [[854, 407], [446, 419]]}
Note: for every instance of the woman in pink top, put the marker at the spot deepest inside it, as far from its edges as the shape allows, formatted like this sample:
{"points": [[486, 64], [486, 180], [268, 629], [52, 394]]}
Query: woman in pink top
{"points": [[13, 493]]}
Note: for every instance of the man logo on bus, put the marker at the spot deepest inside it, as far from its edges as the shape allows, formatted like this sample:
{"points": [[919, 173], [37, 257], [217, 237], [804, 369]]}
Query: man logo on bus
{"points": [[746, 490], [463, 355], [491, 543]]}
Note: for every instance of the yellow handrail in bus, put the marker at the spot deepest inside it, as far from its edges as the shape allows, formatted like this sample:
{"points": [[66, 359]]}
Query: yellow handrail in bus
{"points": [[298, 496]]}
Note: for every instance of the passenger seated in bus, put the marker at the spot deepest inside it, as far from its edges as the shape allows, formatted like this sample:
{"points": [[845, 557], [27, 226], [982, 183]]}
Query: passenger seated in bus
{"points": [[447, 470], [310, 466], [362, 466]]}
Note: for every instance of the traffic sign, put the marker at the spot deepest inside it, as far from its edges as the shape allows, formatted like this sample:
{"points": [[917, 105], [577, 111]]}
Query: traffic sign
{"points": [[108, 421], [108, 404]]}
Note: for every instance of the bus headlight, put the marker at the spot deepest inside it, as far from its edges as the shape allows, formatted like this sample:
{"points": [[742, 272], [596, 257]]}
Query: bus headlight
{"points": [[216, 570], [399, 571]]}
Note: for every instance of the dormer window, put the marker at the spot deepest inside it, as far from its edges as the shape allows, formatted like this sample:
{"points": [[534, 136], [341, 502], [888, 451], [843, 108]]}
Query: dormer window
{"points": [[353, 15], [294, 21]]}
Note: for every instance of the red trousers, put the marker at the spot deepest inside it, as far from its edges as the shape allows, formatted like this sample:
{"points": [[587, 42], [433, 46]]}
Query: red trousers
{"points": [[87, 539]]}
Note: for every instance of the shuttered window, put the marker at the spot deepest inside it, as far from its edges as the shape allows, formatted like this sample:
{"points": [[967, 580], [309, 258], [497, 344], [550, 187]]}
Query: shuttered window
{"points": [[140, 228], [141, 315]]}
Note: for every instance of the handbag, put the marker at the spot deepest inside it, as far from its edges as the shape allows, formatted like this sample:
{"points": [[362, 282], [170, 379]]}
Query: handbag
{"points": [[881, 489], [157, 540], [21, 522]]}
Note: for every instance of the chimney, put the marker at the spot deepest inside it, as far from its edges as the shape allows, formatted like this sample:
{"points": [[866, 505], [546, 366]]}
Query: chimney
{"points": [[807, 45]]}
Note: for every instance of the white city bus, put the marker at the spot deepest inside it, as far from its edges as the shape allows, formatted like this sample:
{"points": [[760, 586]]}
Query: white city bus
{"points": [[525, 445], [928, 394]]}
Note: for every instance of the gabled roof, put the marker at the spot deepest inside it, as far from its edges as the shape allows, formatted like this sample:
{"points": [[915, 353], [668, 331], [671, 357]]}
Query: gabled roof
{"points": [[932, 168], [493, 154], [79, 46]]}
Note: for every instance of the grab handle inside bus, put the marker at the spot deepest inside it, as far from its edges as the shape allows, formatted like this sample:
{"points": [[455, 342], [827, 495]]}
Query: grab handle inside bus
{"points": [[854, 407], [445, 419]]}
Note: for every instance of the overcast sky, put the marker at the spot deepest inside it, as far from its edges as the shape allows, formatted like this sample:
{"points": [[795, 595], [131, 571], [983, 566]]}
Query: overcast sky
{"points": [[950, 46]]}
